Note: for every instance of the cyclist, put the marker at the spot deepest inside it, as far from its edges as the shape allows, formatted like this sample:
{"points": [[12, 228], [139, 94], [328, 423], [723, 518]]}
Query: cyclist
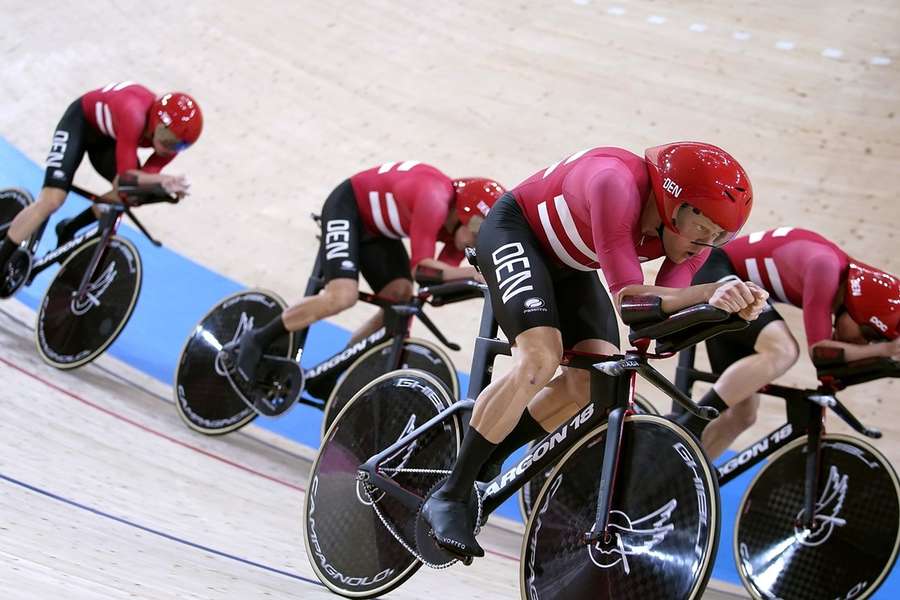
{"points": [[539, 249], [851, 311], [110, 124], [363, 221]]}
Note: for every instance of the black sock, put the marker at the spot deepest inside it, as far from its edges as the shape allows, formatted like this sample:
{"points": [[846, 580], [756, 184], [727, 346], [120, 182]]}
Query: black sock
{"points": [[696, 424], [474, 452], [270, 332], [82, 219], [7, 247], [526, 430]]}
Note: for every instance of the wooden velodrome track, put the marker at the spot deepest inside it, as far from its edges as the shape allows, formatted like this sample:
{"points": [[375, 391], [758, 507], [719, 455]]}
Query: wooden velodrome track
{"points": [[104, 494], [299, 96]]}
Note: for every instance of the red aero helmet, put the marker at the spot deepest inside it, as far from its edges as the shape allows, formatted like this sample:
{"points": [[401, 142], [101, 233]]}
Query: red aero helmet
{"points": [[872, 299], [181, 115], [703, 176], [475, 196]]}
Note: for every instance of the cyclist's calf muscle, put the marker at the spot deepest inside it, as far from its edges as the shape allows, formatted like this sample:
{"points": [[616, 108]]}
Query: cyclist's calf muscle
{"points": [[31, 217], [499, 407], [568, 393], [338, 295]]}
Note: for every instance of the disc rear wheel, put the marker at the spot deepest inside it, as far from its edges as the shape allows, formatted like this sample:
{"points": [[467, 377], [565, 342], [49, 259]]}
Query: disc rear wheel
{"points": [[205, 400], [415, 354], [351, 529]]}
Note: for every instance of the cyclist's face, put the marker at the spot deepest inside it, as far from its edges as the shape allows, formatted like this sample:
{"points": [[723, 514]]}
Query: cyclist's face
{"points": [[846, 330], [695, 232], [698, 228], [465, 235], [165, 142]]}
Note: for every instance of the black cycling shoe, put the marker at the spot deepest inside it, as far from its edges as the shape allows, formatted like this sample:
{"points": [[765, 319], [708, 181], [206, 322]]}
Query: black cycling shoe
{"points": [[63, 236], [452, 525], [249, 354]]}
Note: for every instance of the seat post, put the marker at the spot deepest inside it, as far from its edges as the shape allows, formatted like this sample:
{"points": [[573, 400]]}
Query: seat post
{"points": [[487, 347]]}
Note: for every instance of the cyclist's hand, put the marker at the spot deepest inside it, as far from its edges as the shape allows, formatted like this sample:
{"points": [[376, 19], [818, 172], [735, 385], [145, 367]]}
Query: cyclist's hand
{"points": [[759, 302], [733, 296], [892, 349], [176, 185]]}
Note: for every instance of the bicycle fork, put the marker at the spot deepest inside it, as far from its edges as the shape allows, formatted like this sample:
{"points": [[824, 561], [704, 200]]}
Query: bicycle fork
{"points": [[108, 227], [609, 387]]}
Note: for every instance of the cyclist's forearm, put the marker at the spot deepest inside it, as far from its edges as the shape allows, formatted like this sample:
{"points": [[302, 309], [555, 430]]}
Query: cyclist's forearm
{"points": [[447, 272], [852, 352], [146, 178], [673, 299]]}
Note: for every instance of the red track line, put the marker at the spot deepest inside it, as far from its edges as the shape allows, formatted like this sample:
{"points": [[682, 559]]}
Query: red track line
{"points": [[177, 441], [149, 429]]}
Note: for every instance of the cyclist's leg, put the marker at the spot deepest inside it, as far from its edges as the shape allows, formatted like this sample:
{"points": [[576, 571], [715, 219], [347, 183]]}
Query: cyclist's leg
{"points": [[774, 351], [340, 271], [102, 153], [385, 265], [589, 324], [524, 304], [66, 153]]}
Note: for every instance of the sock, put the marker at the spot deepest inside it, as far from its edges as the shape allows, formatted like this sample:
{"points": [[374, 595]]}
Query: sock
{"points": [[526, 430], [270, 332], [695, 424], [82, 219], [7, 247], [474, 452]]}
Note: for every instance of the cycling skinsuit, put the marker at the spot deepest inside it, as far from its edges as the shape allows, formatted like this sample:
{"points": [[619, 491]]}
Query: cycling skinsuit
{"points": [[796, 266], [542, 244], [108, 123], [365, 218]]}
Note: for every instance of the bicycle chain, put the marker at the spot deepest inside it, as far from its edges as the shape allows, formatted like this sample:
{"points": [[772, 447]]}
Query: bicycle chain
{"points": [[415, 554]]}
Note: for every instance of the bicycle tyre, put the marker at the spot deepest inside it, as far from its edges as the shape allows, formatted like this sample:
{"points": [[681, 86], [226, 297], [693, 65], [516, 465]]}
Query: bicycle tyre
{"points": [[12, 201], [204, 399], [416, 354], [849, 552], [665, 553], [528, 492], [348, 546], [69, 334]]}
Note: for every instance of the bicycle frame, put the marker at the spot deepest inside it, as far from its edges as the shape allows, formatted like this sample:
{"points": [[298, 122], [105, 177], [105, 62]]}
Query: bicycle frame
{"points": [[611, 400], [397, 323], [805, 416], [106, 228]]}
